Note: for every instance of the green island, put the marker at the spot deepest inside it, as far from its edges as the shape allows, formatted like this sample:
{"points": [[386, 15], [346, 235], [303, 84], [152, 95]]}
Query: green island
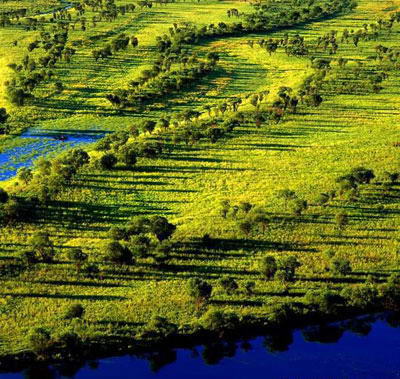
{"points": [[243, 175]]}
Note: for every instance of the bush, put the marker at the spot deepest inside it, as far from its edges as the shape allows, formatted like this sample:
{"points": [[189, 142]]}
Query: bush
{"points": [[107, 161], [362, 296], [217, 320], [74, 311], [228, 284], [160, 327], [3, 196], [69, 342], [341, 266], [199, 289], [43, 246], [77, 255], [287, 269], [268, 267], [324, 300], [114, 252], [161, 228], [39, 340]]}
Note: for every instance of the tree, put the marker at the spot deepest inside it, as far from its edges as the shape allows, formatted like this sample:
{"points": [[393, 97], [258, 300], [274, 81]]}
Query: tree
{"points": [[341, 220], [43, 246], [324, 300], [127, 155], [77, 256], [340, 266], [76, 158], [3, 196], [246, 227], [229, 284], [362, 175], [148, 126], [116, 253], [199, 289], [25, 174], [249, 287], [107, 161], [288, 267], [217, 320], [245, 207], [161, 228], [268, 267], [39, 340], [74, 311], [3, 116], [362, 296], [299, 206]]}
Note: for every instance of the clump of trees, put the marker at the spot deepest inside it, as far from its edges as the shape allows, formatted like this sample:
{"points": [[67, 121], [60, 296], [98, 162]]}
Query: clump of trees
{"points": [[142, 237], [283, 270]]}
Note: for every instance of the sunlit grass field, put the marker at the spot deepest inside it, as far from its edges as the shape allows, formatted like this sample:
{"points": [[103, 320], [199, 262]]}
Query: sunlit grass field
{"points": [[305, 153]]}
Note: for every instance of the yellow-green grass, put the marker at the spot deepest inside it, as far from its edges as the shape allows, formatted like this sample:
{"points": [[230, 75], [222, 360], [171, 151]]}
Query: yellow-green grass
{"points": [[305, 153]]}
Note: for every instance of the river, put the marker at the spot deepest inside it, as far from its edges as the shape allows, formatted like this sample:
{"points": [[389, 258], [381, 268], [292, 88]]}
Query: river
{"points": [[367, 347]]}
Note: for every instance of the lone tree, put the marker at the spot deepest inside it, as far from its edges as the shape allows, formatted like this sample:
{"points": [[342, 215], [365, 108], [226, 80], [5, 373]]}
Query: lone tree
{"points": [[268, 267], [116, 253], [287, 268], [74, 311], [229, 284], [42, 246], [3, 115], [107, 161], [341, 266], [3, 196], [161, 228], [199, 289]]}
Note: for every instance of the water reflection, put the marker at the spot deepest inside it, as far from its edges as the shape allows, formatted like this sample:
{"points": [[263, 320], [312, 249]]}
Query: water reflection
{"points": [[334, 350]]}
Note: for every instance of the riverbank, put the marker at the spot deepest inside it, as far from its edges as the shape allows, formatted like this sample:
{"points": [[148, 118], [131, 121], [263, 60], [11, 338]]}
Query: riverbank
{"points": [[217, 347]]}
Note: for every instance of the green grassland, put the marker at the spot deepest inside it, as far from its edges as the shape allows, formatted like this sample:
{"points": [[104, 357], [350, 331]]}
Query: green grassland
{"points": [[304, 153]]}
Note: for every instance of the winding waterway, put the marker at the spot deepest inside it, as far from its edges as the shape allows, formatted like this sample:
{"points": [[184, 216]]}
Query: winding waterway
{"points": [[367, 347]]}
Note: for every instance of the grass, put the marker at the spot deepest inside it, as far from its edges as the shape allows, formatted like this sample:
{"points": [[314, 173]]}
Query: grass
{"points": [[305, 153]]}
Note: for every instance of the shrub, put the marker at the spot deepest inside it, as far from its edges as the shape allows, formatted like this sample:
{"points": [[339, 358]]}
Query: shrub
{"points": [[287, 269], [107, 161], [161, 228], [199, 289], [39, 340], [341, 266], [361, 296], [77, 255], [160, 327], [70, 342], [114, 252], [3, 196], [43, 246], [217, 320], [228, 284], [74, 311], [323, 300], [268, 267], [249, 287]]}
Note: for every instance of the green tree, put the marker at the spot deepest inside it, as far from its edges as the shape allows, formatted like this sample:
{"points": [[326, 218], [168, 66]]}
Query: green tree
{"points": [[340, 266], [42, 245], [116, 253], [228, 284], [199, 289], [74, 311], [268, 267]]}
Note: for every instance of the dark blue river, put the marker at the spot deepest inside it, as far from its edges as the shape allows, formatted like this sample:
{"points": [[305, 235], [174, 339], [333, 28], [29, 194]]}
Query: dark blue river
{"points": [[363, 348]]}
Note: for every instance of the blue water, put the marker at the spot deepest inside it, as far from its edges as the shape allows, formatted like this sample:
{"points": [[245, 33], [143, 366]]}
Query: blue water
{"points": [[41, 143], [371, 350]]}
